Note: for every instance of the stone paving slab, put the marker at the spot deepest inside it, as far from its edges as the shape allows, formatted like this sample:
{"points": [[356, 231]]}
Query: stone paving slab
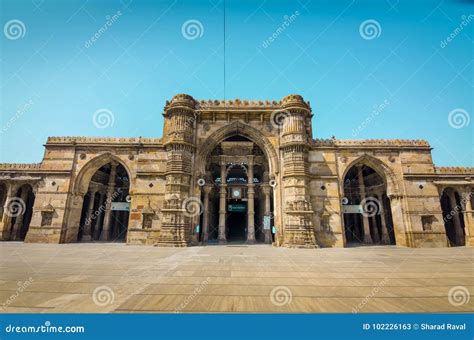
{"points": [[100, 277]]}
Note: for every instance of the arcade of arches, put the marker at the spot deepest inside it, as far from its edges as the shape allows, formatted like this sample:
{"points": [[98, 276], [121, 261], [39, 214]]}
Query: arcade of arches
{"points": [[257, 174]]}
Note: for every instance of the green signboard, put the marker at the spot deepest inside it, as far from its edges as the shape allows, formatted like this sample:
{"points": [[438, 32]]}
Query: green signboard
{"points": [[236, 207]]}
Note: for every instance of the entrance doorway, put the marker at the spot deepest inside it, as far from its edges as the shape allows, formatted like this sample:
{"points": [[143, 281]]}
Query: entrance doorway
{"points": [[237, 222]]}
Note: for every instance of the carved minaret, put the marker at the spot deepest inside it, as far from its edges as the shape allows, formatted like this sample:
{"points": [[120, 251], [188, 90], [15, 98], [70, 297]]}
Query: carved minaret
{"points": [[178, 207], [297, 212]]}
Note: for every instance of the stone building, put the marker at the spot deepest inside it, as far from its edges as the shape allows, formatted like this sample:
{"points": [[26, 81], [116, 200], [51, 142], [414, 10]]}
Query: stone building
{"points": [[237, 170]]}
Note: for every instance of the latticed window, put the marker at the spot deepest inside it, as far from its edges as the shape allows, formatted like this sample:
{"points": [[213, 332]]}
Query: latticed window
{"points": [[426, 222], [46, 218], [147, 221]]}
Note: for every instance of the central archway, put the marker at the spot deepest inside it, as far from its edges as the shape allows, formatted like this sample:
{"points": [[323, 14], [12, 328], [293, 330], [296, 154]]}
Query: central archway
{"points": [[238, 200]]}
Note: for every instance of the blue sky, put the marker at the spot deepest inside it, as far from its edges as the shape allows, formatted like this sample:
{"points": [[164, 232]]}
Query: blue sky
{"points": [[52, 82]]}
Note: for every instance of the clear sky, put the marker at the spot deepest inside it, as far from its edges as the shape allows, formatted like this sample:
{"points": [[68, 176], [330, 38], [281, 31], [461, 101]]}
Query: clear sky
{"points": [[371, 69]]}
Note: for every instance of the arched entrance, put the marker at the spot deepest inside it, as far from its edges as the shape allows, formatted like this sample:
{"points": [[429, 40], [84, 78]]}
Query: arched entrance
{"points": [[366, 207], [105, 208], [237, 195], [453, 217], [19, 209]]}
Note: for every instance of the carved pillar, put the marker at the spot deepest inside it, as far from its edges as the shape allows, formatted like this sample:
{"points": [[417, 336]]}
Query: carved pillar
{"points": [[250, 203], [98, 215], [16, 230], [87, 231], [458, 230], [298, 228], [365, 218], [222, 203], [205, 218], [104, 236], [266, 189]]}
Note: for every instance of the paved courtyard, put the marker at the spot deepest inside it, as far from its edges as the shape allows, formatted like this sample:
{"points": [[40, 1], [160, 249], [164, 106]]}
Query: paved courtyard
{"points": [[98, 277]]}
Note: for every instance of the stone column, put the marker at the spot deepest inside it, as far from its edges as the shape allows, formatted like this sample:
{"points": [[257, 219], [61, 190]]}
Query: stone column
{"points": [[375, 230], [205, 218], [456, 219], [104, 236], [19, 219], [365, 219], [266, 189], [385, 236], [250, 203], [87, 231], [222, 205], [98, 215]]}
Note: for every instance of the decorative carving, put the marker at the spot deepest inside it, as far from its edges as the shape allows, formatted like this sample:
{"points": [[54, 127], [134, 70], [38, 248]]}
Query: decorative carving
{"points": [[455, 170], [371, 142]]}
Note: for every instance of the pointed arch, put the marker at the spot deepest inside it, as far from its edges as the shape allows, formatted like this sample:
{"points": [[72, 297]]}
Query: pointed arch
{"points": [[368, 183], [78, 196], [232, 129], [383, 170], [85, 174]]}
